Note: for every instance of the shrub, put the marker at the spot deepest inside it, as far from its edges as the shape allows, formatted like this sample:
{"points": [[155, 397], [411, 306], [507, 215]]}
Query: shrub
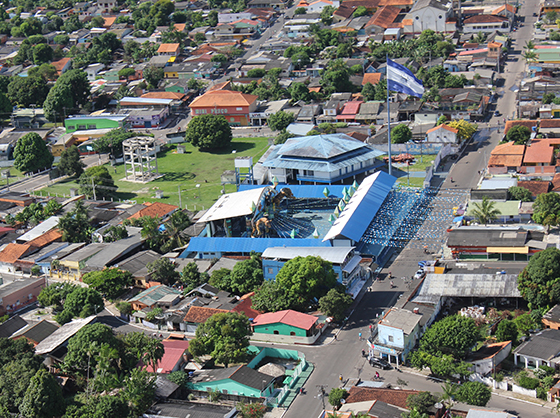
{"points": [[336, 395], [528, 382], [474, 393]]}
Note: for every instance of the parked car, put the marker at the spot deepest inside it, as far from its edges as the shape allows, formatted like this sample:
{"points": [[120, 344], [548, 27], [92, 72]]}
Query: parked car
{"points": [[419, 274], [497, 113], [380, 363]]}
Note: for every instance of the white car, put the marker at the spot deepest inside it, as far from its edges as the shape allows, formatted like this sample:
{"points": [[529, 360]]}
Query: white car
{"points": [[419, 274]]}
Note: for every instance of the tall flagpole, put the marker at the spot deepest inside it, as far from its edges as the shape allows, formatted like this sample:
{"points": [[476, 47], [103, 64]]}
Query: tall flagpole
{"points": [[388, 114]]}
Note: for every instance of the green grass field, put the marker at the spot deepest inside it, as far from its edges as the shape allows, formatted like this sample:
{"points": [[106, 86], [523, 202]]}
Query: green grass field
{"points": [[182, 171], [15, 175]]}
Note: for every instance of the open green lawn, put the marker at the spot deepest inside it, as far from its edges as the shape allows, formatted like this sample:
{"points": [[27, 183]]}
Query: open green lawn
{"points": [[15, 175], [414, 181], [427, 161], [181, 170]]}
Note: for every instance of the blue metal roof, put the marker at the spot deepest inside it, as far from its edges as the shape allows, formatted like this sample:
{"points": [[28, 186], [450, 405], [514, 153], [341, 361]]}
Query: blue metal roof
{"points": [[320, 146], [304, 190], [362, 208], [245, 245]]}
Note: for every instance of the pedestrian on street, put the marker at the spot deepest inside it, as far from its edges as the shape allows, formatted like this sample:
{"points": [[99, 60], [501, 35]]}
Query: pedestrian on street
{"points": [[340, 378], [360, 336], [334, 337]]}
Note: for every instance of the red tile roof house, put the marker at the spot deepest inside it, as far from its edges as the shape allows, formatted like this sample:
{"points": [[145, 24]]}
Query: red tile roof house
{"points": [[539, 158], [287, 326], [197, 315], [174, 355], [155, 210], [349, 112]]}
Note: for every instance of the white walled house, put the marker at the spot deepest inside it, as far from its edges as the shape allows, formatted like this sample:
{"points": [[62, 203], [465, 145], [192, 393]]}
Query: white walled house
{"points": [[430, 14], [442, 133], [486, 23]]}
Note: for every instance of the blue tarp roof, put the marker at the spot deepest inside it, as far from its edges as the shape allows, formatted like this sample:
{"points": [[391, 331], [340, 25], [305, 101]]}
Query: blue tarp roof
{"points": [[245, 245], [305, 191], [362, 208]]}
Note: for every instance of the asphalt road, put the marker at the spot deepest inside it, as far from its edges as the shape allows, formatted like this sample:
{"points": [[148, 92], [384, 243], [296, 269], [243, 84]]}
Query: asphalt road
{"points": [[42, 180], [343, 357]]}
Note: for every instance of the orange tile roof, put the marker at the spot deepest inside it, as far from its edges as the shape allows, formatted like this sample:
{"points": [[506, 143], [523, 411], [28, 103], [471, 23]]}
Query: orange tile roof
{"points": [[407, 22], [395, 397], [168, 48], [48, 237], [549, 123], [109, 21], [163, 95], [500, 9], [154, 210], [556, 183], [372, 78], [199, 314], [396, 3], [508, 149], [315, 89], [245, 306], [223, 98], [539, 152], [384, 16], [442, 126], [536, 187], [226, 85], [484, 19], [180, 27], [59, 65], [505, 161], [12, 252], [528, 123]]}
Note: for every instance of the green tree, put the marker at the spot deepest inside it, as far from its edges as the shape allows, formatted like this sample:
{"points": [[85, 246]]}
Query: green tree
{"points": [[115, 233], [224, 336], [519, 134], [299, 91], [485, 212], [336, 395], [360, 11], [83, 302], [31, 153], [280, 120], [539, 282], [163, 270], [42, 53], [110, 281], [474, 393], [124, 307], [153, 75], [96, 181], [546, 209], [15, 378], [246, 275], [368, 92], [75, 224], [256, 73], [220, 278], [139, 390], [43, 398], [77, 83], [191, 276], [306, 279], [454, 335], [422, 401], [401, 134], [112, 141], [507, 331], [174, 231], [336, 77], [209, 132], [300, 11], [5, 106], [70, 163], [525, 323], [442, 119], [548, 97], [85, 346], [251, 410], [335, 304], [520, 193], [55, 295], [58, 99], [327, 15]]}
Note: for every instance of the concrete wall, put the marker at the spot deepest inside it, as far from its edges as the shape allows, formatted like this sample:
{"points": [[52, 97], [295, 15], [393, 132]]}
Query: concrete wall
{"points": [[287, 339], [527, 392], [280, 329]]}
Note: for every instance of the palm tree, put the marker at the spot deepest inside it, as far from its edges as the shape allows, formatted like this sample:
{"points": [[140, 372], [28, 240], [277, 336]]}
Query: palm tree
{"points": [[153, 353], [449, 392], [485, 211]]}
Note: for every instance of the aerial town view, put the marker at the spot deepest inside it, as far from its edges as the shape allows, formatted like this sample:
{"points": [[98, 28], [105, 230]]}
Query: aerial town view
{"points": [[280, 208]]}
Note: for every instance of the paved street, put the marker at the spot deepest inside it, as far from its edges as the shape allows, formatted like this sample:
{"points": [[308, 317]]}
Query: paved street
{"points": [[343, 357]]}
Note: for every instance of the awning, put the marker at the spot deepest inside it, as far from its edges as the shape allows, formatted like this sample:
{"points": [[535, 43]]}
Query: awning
{"points": [[508, 250], [351, 265]]}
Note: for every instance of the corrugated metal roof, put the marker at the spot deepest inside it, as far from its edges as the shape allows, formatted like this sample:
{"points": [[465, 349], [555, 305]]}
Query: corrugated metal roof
{"points": [[363, 206], [245, 245], [319, 146], [305, 190], [40, 229], [335, 255], [232, 205], [467, 285]]}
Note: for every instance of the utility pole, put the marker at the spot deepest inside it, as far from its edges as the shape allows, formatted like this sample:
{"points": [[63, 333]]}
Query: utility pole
{"points": [[93, 187], [322, 394], [180, 205]]}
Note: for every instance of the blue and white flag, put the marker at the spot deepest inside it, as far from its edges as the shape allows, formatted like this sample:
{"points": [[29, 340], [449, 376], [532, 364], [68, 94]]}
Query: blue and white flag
{"points": [[401, 79]]}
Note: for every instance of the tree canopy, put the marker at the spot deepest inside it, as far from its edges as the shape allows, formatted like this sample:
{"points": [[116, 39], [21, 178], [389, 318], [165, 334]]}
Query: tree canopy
{"points": [[465, 130], [335, 303], [539, 282], [82, 302], [455, 335], [485, 212], [401, 134], [246, 275], [224, 336], [271, 297], [305, 280], [110, 281], [70, 163], [209, 132], [280, 120], [546, 209], [43, 398], [96, 181], [112, 141], [519, 134], [75, 224], [163, 270], [31, 153], [520, 193]]}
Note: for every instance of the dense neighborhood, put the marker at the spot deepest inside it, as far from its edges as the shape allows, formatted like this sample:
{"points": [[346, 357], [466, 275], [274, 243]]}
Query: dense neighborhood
{"points": [[267, 208]]}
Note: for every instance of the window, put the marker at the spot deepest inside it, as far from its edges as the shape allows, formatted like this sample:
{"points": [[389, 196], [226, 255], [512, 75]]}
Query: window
{"points": [[81, 126], [417, 17], [276, 332], [238, 108], [71, 127], [439, 16], [292, 333], [92, 127], [232, 119], [391, 339], [308, 173], [270, 270]]}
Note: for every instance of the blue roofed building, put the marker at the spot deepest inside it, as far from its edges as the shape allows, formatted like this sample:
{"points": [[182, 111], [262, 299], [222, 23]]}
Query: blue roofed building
{"points": [[321, 159]]}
